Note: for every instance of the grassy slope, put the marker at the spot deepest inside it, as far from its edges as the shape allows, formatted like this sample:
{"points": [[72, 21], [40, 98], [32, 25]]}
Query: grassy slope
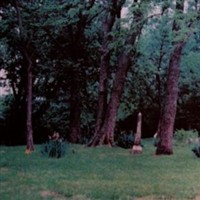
{"points": [[98, 173]]}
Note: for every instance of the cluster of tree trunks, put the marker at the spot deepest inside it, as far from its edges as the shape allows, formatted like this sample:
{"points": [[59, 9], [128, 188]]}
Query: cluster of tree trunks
{"points": [[106, 117]]}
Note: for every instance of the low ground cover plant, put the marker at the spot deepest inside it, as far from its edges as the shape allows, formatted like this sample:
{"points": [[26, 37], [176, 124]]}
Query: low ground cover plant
{"points": [[186, 137], [125, 140], [55, 147]]}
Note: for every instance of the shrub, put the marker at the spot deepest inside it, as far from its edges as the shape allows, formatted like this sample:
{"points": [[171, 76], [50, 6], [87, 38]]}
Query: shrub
{"points": [[185, 136], [125, 140], [196, 150], [54, 148]]}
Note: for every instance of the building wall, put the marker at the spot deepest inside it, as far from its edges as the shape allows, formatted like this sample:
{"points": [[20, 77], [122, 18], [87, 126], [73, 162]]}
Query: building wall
{"points": [[4, 85]]}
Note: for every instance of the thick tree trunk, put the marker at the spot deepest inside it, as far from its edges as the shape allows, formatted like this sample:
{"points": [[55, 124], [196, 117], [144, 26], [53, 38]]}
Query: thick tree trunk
{"points": [[75, 113], [103, 76], [166, 123], [106, 134], [107, 25], [166, 128], [29, 129], [102, 98], [78, 45]]}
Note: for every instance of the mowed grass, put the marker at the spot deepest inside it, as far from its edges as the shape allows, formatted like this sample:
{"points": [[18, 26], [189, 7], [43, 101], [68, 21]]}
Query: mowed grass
{"points": [[99, 173]]}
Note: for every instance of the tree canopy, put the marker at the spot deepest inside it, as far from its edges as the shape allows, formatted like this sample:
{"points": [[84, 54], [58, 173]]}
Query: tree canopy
{"points": [[93, 64]]}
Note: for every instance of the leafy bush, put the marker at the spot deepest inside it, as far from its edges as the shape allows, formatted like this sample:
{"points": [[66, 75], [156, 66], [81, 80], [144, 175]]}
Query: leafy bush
{"points": [[196, 150], [185, 136], [125, 140], [54, 148]]}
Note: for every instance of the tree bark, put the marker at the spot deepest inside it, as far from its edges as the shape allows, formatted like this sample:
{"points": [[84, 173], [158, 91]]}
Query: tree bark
{"points": [[29, 80], [107, 25], [75, 112], [102, 98], [167, 119], [106, 134], [29, 129], [78, 42], [169, 112]]}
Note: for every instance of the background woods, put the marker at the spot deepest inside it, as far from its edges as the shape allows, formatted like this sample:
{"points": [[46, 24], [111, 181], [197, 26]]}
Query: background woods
{"points": [[86, 68]]}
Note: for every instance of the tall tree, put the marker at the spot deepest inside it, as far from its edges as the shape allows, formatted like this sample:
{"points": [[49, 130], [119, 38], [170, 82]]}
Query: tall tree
{"points": [[167, 119], [19, 34], [28, 66], [105, 135], [69, 32], [112, 12], [78, 44]]}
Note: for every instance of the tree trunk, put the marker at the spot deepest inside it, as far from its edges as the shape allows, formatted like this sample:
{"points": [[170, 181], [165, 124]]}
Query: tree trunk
{"points": [[106, 134], [169, 111], [166, 123], [75, 112], [78, 42], [102, 98], [103, 76], [29, 80], [107, 25], [29, 129]]}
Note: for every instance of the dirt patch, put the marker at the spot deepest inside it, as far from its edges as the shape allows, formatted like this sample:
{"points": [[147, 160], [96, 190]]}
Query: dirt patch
{"points": [[3, 169], [145, 198], [45, 194], [79, 197], [197, 197], [55, 195], [159, 198]]}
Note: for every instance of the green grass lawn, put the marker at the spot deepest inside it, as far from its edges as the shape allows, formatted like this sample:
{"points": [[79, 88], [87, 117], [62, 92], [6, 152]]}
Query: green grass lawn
{"points": [[99, 173]]}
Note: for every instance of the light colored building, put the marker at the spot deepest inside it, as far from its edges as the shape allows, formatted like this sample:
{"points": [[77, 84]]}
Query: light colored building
{"points": [[4, 86]]}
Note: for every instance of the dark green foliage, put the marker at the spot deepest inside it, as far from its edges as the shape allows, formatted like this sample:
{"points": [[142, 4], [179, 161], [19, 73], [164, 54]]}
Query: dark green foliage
{"points": [[11, 123], [54, 32], [196, 150], [54, 148], [185, 136], [125, 140]]}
